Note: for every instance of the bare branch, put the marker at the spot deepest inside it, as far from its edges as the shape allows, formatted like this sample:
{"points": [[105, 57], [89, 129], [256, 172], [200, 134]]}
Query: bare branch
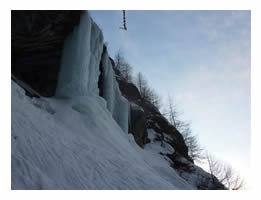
{"points": [[224, 173], [123, 67]]}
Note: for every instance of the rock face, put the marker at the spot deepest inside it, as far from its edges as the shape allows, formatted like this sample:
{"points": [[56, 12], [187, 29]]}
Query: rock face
{"points": [[161, 125], [144, 115], [37, 44], [137, 125]]}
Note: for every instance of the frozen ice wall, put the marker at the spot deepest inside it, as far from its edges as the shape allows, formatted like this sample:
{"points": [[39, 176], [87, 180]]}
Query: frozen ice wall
{"points": [[116, 104], [79, 71]]}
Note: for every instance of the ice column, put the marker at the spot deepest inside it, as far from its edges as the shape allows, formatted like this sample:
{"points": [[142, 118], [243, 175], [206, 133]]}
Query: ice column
{"points": [[79, 71], [116, 104]]}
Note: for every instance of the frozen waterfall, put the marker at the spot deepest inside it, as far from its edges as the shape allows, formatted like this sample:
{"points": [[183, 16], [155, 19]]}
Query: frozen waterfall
{"points": [[79, 71], [116, 104]]}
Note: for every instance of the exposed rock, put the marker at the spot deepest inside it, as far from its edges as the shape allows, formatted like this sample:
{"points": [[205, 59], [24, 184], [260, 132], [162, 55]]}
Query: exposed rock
{"points": [[150, 117], [129, 90], [37, 44], [29, 91], [161, 125], [101, 77], [180, 162], [137, 125], [194, 174]]}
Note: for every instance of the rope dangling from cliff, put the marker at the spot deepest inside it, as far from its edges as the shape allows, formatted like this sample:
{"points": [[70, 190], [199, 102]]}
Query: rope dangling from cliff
{"points": [[124, 21]]}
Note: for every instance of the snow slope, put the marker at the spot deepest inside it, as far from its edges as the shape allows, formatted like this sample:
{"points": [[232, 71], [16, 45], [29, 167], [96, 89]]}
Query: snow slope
{"points": [[76, 144]]}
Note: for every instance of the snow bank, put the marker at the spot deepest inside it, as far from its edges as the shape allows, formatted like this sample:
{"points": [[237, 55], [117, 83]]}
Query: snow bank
{"points": [[158, 146], [79, 146]]}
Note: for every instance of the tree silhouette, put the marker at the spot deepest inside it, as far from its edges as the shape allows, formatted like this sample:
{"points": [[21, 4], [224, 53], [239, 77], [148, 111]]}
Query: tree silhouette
{"points": [[123, 67], [224, 173], [184, 127], [147, 93]]}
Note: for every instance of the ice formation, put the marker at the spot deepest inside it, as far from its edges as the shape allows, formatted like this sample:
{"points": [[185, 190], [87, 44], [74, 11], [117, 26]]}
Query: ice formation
{"points": [[116, 104], [79, 72]]}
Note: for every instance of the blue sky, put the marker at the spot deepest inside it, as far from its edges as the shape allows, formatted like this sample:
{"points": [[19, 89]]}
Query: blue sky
{"points": [[203, 60]]}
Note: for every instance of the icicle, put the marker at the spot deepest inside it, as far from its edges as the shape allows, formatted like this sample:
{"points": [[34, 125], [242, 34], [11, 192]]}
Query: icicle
{"points": [[116, 104], [79, 72], [79, 69]]}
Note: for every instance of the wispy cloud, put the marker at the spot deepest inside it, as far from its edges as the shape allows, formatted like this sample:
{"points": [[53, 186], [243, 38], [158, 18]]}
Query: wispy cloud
{"points": [[216, 25]]}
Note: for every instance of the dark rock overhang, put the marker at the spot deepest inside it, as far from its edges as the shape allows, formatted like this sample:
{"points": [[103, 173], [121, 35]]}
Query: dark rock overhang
{"points": [[37, 43]]}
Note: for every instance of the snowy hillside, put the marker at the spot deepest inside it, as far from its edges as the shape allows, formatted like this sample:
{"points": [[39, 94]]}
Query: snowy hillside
{"points": [[64, 144], [94, 131]]}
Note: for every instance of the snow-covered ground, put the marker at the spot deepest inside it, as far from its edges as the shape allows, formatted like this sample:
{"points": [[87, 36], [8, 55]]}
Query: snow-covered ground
{"points": [[79, 140], [76, 144]]}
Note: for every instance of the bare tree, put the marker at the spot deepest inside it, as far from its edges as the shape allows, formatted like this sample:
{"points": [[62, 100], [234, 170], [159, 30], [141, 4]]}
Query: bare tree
{"points": [[154, 98], [216, 168], [146, 92], [123, 67], [194, 149], [126, 72], [184, 127], [173, 114], [224, 173], [231, 179], [119, 59], [142, 84]]}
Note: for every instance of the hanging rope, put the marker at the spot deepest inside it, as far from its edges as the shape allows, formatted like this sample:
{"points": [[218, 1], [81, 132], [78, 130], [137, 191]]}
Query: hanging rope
{"points": [[124, 21]]}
